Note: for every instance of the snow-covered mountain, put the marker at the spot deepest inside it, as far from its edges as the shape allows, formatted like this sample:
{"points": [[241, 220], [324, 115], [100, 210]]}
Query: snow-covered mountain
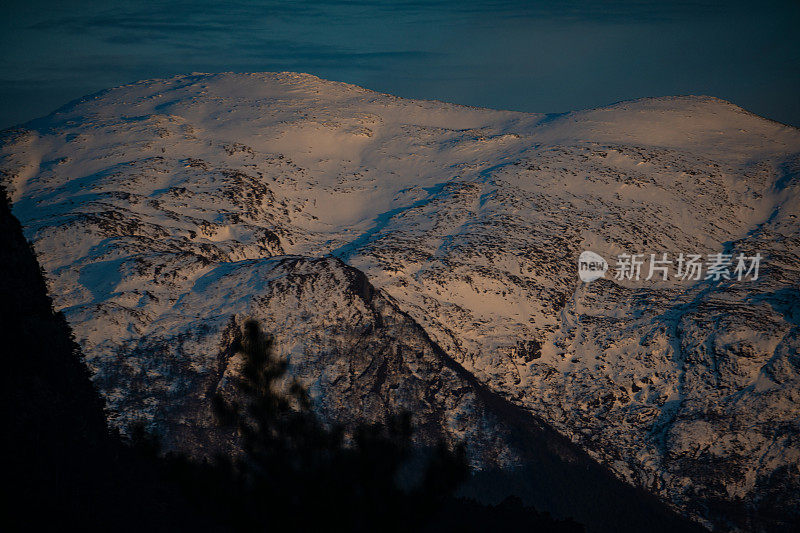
{"points": [[419, 255]]}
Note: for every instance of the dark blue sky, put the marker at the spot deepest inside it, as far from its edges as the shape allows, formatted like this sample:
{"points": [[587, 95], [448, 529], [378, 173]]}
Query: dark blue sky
{"points": [[531, 56]]}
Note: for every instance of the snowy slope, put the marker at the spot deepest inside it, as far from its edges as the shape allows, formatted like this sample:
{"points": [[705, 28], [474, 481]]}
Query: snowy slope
{"points": [[162, 208]]}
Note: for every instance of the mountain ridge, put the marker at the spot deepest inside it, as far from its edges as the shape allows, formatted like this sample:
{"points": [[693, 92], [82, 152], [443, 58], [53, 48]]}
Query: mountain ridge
{"points": [[147, 203]]}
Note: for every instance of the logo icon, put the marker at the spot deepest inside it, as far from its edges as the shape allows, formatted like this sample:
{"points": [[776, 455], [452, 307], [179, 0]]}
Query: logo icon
{"points": [[591, 266]]}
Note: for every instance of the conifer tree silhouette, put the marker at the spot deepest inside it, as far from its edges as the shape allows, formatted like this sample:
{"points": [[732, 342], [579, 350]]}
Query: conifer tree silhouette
{"points": [[306, 470]]}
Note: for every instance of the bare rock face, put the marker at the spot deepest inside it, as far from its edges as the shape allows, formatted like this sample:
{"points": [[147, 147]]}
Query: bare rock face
{"points": [[421, 256]]}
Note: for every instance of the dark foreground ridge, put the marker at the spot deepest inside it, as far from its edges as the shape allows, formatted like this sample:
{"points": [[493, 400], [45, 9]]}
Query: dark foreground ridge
{"points": [[62, 464]]}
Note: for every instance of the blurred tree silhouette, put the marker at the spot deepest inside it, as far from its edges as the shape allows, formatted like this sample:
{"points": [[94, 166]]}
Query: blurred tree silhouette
{"points": [[308, 471]]}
